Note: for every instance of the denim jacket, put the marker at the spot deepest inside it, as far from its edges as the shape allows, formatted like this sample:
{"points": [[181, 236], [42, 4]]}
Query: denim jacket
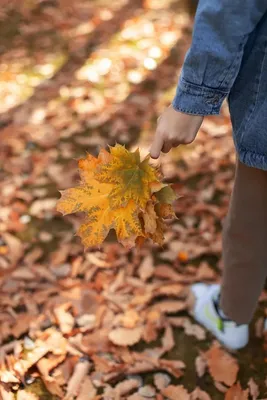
{"points": [[221, 31]]}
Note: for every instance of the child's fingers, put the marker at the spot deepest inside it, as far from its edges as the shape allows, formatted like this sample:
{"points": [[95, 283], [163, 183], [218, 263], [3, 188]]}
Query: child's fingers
{"points": [[166, 147], [157, 145]]}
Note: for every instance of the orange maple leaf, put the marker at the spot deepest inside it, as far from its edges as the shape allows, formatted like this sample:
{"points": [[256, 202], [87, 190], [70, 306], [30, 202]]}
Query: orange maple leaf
{"points": [[118, 191]]}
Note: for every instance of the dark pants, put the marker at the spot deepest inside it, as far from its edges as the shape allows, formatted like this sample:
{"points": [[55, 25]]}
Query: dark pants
{"points": [[245, 244]]}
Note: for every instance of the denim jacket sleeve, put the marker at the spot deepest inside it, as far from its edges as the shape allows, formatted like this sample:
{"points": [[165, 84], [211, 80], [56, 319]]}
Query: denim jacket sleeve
{"points": [[212, 63]]}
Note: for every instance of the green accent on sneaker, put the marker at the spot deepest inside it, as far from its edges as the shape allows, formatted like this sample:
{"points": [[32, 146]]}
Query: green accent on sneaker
{"points": [[216, 320]]}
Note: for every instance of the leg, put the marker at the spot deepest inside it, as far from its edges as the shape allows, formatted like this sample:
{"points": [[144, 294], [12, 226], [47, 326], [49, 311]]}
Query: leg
{"points": [[245, 245]]}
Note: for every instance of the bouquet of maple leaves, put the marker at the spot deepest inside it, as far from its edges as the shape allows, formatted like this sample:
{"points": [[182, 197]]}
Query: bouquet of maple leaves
{"points": [[119, 191]]}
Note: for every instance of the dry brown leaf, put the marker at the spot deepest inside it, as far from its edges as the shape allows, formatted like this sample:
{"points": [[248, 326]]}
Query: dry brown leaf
{"points": [[53, 387], [22, 324], [151, 332], [46, 364], [56, 342], [125, 387], [63, 372], [236, 393], [166, 272], [178, 322], [161, 380], [16, 247], [147, 391], [23, 395], [150, 218], [253, 389], [101, 364], [172, 289], [135, 396], [23, 273], [173, 392], [167, 340], [221, 387], [65, 319], [80, 371], [169, 307], [146, 269], [141, 366], [8, 377], [205, 272], [31, 357], [194, 330], [87, 390], [201, 365], [222, 367], [6, 394], [126, 337], [130, 319], [174, 367], [199, 394]]}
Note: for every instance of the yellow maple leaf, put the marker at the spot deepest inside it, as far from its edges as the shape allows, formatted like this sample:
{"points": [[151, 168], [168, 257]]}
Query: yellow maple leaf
{"points": [[131, 175], [93, 198], [150, 218], [119, 191]]}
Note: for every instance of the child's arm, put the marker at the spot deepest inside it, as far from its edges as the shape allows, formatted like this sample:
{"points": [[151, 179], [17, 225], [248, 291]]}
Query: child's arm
{"points": [[210, 68], [220, 33]]}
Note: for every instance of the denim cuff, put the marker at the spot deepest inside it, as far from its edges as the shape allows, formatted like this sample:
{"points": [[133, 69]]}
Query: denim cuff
{"points": [[197, 99]]}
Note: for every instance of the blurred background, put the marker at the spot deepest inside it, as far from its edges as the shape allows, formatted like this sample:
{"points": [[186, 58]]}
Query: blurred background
{"points": [[75, 77]]}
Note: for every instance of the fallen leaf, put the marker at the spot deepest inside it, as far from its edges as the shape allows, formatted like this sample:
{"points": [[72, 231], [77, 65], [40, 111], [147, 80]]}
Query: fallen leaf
{"points": [[235, 392], [46, 364], [87, 390], [6, 394], [166, 272], [31, 357], [173, 392], [161, 380], [199, 394], [16, 249], [74, 385], [22, 324], [205, 272], [169, 307], [220, 386], [25, 395], [126, 337], [253, 389], [135, 396], [167, 340], [125, 387], [8, 377], [64, 318], [222, 367], [130, 319], [146, 269], [173, 367], [194, 330], [172, 289], [53, 386], [147, 391], [201, 365]]}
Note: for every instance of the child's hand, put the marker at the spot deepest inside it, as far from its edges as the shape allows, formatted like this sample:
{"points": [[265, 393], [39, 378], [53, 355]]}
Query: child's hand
{"points": [[174, 128]]}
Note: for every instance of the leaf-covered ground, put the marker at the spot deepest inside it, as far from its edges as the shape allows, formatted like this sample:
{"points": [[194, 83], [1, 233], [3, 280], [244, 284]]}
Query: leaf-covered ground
{"points": [[107, 323]]}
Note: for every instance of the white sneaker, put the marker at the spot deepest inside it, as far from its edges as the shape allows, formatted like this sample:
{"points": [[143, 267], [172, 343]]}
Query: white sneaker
{"points": [[230, 334]]}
